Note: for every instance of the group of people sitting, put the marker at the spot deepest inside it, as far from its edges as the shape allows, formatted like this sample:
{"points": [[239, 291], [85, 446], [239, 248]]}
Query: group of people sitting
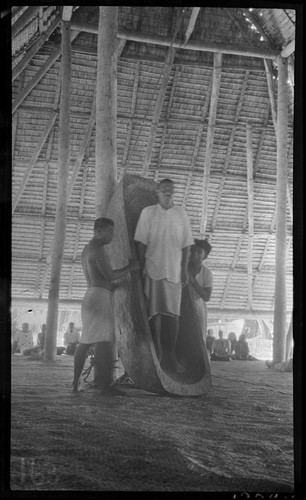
{"points": [[226, 349], [23, 342]]}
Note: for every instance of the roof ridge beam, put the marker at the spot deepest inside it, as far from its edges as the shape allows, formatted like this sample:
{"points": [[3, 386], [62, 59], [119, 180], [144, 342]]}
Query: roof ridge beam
{"points": [[180, 44]]}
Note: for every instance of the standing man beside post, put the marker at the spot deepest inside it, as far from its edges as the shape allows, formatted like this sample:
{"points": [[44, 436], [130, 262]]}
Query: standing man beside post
{"points": [[163, 237], [97, 309]]}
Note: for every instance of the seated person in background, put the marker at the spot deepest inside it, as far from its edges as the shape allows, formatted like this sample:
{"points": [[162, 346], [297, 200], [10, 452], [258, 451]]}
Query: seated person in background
{"points": [[201, 280], [24, 338], [221, 349], [210, 340], [242, 351], [39, 347], [233, 340], [71, 338]]}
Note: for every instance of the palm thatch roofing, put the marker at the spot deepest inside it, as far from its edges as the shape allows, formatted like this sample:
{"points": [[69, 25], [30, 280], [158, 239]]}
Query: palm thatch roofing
{"points": [[189, 82]]}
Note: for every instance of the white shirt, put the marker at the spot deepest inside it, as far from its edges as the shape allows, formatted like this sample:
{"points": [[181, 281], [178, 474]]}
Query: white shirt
{"points": [[165, 233]]}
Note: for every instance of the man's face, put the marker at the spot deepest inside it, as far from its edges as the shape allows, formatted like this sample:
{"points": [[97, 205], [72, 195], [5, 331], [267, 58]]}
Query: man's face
{"points": [[165, 194], [105, 235], [198, 255]]}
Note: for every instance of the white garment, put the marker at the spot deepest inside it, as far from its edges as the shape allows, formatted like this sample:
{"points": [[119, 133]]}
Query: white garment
{"points": [[165, 233]]}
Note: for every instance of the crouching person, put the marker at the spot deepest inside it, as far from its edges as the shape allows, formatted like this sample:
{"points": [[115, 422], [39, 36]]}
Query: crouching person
{"points": [[97, 311]]}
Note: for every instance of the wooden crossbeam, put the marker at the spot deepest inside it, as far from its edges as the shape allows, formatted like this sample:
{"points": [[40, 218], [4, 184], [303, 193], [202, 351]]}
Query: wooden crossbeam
{"points": [[192, 20], [22, 64], [216, 78], [249, 148], [32, 162], [198, 45], [229, 151], [40, 73]]}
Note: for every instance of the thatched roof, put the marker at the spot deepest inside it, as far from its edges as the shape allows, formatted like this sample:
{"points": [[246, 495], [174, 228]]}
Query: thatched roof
{"points": [[176, 146]]}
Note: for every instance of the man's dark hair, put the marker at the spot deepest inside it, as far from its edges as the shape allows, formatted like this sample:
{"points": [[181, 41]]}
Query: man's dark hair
{"points": [[204, 244], [163, 181], [103, 223]]}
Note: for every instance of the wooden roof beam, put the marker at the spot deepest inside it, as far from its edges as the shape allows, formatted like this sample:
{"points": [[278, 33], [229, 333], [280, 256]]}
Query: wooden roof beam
{"points": [[193, 17], [180, 44], [35, 48], [236, 255], [24, 19], [40, 73], [32, 162], [216, 78], [198, 142]]}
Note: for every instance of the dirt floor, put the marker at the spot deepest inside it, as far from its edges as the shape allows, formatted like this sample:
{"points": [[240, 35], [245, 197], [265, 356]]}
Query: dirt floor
{"points": [[239, 437]]}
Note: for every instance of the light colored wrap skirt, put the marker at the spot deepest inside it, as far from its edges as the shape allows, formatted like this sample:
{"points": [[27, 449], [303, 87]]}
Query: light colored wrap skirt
{"points": [[162, 296], [97, 313]]}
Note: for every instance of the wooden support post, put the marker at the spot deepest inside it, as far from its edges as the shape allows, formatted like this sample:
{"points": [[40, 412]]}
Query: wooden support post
{"points": [[250, 209], [279, 340], [106, 108], [61, 208], [210, 138]]}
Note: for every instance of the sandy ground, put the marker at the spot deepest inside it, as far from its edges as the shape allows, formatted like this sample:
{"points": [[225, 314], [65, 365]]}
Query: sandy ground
{"points": [[238, 437]]}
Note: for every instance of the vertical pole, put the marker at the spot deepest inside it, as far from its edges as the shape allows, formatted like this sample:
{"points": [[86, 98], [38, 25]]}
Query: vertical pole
{"points": [[61, 207], [106, 112], [250, 209], [279, 340]]}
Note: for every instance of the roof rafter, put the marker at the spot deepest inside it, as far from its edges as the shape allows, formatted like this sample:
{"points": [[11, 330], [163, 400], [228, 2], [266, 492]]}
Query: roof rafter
{"points": [[229, 150], [174, 82], [198, 142], [40, 73], [193, 17], [216, 78], [35, 156]]}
